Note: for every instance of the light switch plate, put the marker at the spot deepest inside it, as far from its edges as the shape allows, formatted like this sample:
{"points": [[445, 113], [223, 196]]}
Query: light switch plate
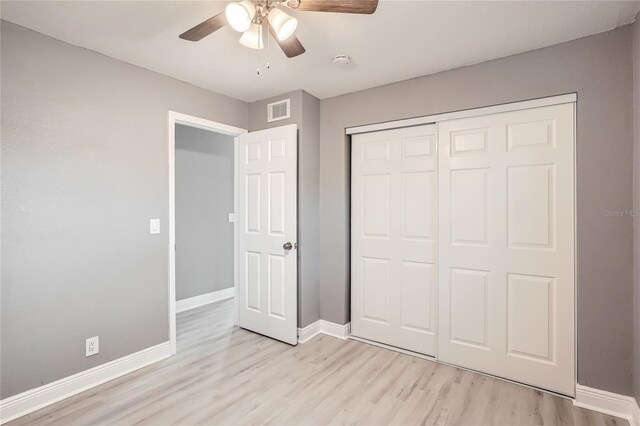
{"points": [[154, 226], [232, 217]]}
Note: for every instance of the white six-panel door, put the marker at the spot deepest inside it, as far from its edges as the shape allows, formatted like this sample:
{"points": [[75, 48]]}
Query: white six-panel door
{"points": [[266, 222], [393, 237], [506, 267]]}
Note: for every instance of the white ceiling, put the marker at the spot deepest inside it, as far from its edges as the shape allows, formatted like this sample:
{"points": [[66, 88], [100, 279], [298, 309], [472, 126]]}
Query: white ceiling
{"points": [[402, 40]]}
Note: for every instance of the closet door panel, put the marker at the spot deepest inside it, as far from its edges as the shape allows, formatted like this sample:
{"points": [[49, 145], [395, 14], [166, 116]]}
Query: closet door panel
{"points": [[506, 253], [393, 237]]}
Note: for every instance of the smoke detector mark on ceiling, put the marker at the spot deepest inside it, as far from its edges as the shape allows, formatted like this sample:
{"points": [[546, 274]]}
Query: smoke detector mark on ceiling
{"points": [[341, 61]]}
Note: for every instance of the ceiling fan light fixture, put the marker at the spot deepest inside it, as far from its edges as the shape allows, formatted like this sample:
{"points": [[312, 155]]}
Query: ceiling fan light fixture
{"points": [[240, 15], [283, 24], [253, 37]]}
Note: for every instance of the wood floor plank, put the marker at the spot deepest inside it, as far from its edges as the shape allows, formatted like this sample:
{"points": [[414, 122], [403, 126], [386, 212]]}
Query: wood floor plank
{"points": [[223, 375]]}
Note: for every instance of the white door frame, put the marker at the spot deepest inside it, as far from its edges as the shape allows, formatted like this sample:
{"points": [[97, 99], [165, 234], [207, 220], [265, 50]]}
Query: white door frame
{"points": [[174, 118]]}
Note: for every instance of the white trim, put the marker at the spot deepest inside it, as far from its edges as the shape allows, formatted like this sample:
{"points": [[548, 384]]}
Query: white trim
{"points": [[34, 399], [174, 118], [236, 311], [204, 124], [336, 330], [324, 327], [309, 332], [610, 403], [204, 299], [575, 243], [495, 109]]}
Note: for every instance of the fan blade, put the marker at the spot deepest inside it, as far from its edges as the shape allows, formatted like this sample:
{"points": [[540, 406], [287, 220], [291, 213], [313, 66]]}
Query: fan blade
{"points": [[336, 6], [202, 30], [291, 46]]}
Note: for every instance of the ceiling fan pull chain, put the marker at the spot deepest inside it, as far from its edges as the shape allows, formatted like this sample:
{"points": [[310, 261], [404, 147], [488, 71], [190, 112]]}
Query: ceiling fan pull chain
{"points": [[268, 49], [258, 50], [258, 62]]}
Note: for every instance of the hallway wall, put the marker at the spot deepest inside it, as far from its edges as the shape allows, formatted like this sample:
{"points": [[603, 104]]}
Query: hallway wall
{"points": [[204, 199]]}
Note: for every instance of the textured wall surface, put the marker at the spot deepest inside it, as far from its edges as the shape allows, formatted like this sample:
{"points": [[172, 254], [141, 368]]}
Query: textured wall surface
{"points": [[204, 199], [84, 168], [309, 201], [305, 112], [599, 69]]}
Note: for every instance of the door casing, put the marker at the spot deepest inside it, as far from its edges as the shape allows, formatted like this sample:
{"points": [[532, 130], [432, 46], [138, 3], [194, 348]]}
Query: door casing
{"points": [[174, 118]]}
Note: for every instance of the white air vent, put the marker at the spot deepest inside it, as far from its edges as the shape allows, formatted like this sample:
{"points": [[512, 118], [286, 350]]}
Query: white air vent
{"points": [[279, 110]]}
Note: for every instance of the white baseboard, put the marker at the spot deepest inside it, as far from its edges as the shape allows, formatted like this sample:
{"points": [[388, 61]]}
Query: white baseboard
{"points": [[610, 403], [336, 330], [204, 299], [34, 399], [309, 332], [325, 327]]}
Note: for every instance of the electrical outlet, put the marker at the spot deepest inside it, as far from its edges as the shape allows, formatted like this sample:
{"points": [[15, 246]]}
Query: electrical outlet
{"points": [[93, 346], [232, 217]]}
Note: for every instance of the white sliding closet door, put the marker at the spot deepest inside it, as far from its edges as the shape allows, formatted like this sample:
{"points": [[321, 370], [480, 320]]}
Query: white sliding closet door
{"points": [[506, 232], [393, 237]]}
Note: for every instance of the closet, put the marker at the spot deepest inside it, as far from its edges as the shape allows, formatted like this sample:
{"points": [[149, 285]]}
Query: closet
{"points": [[463, 240]]}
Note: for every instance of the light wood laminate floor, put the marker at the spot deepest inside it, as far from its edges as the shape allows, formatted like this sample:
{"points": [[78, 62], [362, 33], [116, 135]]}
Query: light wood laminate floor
{"points": [[225, 375]]}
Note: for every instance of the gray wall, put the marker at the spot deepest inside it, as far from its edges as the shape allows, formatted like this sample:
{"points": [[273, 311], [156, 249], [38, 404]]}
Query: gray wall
{"points": [[599, 69], [305, 112], [204, 199], [636, 203], [309, 202], [84, 168]]}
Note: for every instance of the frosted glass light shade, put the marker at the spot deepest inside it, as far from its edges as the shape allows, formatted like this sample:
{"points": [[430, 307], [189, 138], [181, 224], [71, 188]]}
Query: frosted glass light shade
{"points": [[239, 15], [283, 24], [252, 37]]}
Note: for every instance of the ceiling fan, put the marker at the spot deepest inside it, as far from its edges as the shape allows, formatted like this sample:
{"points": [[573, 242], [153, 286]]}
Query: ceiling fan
{"points": [[250, 16]]}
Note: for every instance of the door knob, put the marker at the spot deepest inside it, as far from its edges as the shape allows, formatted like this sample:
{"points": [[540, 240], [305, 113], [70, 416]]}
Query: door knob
{"points": [[287, 246]]}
